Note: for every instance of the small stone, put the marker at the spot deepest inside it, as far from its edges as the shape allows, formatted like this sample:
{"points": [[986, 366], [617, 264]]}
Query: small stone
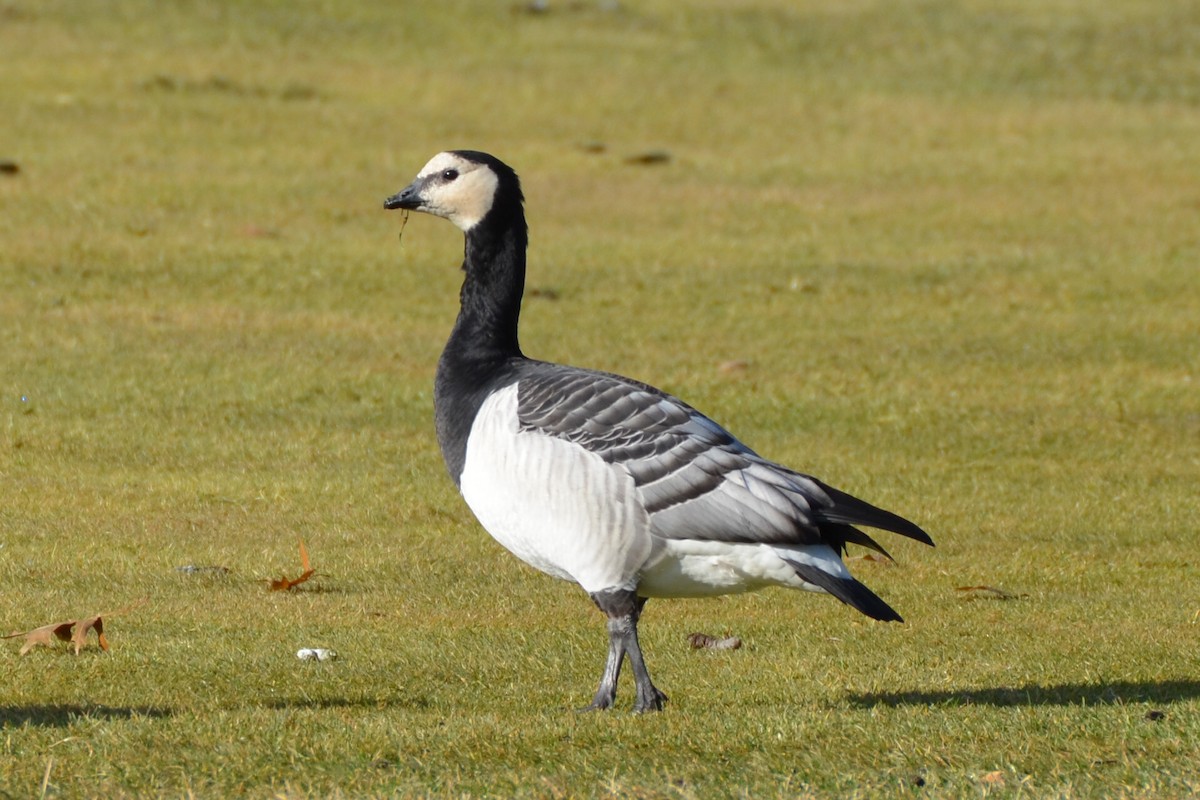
{"points": [[193, 569]]}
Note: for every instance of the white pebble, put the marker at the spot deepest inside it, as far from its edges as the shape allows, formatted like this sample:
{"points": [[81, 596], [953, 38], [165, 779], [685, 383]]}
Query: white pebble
{"points": [[316, 654]]}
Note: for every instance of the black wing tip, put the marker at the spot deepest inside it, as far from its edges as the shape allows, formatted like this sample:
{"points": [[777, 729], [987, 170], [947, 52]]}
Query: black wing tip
{"points": [[912, 531], [869, 603], [850, 510], [848, 590], [841, 534]]}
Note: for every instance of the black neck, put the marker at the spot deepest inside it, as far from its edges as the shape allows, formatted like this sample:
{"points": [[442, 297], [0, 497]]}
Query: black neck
{"points": [[483, 346], [494, 263]]}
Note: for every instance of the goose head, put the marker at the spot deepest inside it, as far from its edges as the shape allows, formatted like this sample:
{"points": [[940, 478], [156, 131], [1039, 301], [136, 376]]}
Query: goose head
{"points": [[463, 186]]}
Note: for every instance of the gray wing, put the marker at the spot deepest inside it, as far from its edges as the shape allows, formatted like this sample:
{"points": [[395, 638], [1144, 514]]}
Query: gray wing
{"points": [[695, 480]]}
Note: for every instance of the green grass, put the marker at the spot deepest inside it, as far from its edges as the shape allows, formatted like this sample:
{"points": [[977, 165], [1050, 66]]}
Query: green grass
{"points": [[954, 242]]}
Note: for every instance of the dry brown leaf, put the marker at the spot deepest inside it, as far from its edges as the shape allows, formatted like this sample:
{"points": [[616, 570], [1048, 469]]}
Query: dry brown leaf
{"points": [[74, 631], [44, 635], [874, 559], [702, 641], [995, 778], [989, 591], [544, 292], [649, 157], [252, 231], [284, 583], [82, 626]]}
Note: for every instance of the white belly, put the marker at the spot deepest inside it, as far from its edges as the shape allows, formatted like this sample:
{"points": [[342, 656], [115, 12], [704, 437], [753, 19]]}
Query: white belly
{"points": [[554, 505]]}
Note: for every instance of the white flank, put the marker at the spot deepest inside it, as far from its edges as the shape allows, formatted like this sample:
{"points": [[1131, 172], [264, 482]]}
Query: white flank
{"points": [[696, 568], [563, 510], [555, 505]]}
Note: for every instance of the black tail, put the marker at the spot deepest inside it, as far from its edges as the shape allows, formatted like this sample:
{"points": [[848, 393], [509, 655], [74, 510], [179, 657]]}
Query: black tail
{"points": [[848, 590], [849, 510], [838, 534]]}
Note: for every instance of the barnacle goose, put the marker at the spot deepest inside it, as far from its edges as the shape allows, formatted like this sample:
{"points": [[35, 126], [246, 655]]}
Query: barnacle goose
{"points": [[603, 480]]}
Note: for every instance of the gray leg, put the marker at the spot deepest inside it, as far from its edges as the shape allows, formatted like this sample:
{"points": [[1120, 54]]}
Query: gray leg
{"points": [[607, 693], [623, 608]]}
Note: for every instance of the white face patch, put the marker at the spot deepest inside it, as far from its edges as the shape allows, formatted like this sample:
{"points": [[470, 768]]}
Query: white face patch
{"points": [[462, 191]]}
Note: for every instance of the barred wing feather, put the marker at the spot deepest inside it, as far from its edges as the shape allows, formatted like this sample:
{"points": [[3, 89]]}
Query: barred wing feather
{"points": [[695, 480]]}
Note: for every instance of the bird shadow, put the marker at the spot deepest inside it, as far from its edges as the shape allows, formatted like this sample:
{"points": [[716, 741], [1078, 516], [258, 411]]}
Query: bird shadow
{"points": [[62, 715], [1059, 694], [342, 703]]}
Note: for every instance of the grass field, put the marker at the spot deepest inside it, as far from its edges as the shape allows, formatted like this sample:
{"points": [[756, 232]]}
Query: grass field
{"points": [[945, 255]]}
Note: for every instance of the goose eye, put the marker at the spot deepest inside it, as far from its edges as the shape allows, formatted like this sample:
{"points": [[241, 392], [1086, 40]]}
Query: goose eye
{"points": [[449, 175]]}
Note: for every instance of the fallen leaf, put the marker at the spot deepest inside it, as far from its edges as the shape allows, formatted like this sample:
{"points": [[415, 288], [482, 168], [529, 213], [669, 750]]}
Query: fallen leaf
{"points": [[733, 366], [74, 631], [649, 157], [285, 583], [82, 626], [44, 635], [995, 778], [989, 591], [702, 641], [874, 559]]}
